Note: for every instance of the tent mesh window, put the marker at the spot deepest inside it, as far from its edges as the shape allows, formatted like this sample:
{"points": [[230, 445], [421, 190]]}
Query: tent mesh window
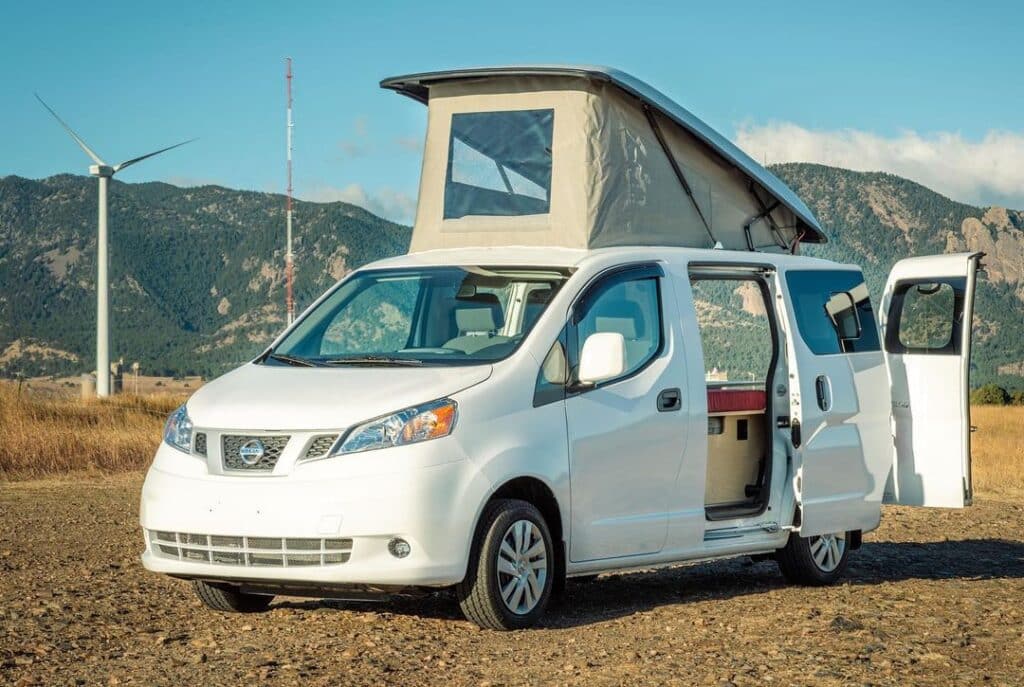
{"points": [[499, 164]]}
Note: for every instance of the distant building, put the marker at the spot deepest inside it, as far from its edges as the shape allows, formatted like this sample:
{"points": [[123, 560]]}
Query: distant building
{"points": [[716, 375]]}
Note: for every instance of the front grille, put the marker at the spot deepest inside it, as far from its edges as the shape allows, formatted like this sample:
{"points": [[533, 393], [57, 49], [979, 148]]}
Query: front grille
{"points": [[232, 445], [200, 443], [320, 445], [272, 552]]}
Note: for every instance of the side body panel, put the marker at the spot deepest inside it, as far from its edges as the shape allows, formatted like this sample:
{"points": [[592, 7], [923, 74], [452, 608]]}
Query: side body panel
{"points": [[839, 415], [687, 523]]}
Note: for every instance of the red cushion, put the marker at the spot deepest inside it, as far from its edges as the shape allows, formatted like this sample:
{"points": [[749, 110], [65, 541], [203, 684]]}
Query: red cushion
{"points": [[735, 401]]}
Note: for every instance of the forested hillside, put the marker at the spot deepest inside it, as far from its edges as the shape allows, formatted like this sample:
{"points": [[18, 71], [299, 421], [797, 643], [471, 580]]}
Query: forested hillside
{"points": [[197, 278], [874, 219], [196, 273]]}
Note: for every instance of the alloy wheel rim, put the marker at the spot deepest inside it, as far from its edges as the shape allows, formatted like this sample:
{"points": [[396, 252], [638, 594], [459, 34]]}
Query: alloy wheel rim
{"points": [[522, 567], [827, 550]]}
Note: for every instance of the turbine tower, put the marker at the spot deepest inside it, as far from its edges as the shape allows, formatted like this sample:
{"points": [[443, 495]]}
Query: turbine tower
{"points": [[103, 172]]}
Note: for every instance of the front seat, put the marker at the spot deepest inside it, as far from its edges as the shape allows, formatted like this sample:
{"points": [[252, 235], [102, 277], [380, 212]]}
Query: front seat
{"points": [[478, 320]]}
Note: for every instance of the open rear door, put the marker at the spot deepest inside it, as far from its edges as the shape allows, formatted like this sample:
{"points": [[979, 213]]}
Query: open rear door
{"points": [[926, 314]]}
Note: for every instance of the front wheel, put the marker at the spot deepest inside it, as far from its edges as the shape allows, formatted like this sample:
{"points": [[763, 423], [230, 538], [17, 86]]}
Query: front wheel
{"points": [[814, 561], [511, 567], [229, 599]]}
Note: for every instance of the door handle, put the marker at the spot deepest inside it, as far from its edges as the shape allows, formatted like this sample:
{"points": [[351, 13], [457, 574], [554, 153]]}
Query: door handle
{"points": [[670, 399], [821, 388]]}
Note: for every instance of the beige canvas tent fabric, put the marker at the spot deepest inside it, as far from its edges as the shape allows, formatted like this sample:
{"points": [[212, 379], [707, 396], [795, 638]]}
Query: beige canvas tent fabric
{"points": [[611, 181]]}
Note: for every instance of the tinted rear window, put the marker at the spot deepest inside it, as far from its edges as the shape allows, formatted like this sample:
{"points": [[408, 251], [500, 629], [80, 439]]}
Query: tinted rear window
{"points": [[811, 291]]}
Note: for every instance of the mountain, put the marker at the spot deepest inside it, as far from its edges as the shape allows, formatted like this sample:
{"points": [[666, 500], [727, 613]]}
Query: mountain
{"points": [[874, 219], [196, 273], [197, 278]]}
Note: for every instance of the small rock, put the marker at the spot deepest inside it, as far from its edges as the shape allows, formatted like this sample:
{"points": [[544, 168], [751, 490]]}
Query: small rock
{"points": [[843, 624]]}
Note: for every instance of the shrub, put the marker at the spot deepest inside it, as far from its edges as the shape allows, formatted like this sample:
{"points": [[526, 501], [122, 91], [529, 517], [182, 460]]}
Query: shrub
{"points": [[990, 394], [1017, 397]]}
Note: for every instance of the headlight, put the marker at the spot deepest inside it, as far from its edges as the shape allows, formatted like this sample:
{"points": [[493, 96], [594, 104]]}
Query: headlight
{"points": [[431, 420], [178, 430]]}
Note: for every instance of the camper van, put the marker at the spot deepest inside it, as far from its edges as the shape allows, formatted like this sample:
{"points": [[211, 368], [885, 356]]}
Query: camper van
{"points": [[603, 352]]}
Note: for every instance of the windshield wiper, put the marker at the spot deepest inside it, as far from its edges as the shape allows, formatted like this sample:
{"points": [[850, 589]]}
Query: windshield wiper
{"points": [[372, 360], [293, 360]]}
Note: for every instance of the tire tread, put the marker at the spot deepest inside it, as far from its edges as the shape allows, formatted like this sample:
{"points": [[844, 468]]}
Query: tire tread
{"points": [[798, 567], [228, 599]]}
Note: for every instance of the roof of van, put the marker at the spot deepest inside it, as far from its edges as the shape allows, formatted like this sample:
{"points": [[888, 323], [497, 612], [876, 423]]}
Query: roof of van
{"points": [[552, 257], [417, 87]]}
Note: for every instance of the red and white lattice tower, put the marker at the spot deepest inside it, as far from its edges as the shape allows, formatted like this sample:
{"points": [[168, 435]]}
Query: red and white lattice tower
{"points": [[289, 266]]}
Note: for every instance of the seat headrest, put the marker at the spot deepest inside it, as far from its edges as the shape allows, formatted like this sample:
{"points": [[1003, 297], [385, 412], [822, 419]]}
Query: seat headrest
{"points": [[624, 317], [480, 313]]}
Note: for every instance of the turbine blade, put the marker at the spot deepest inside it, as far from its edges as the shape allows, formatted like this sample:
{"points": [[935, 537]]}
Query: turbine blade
{"points": [[78, 139], [121, 165]]}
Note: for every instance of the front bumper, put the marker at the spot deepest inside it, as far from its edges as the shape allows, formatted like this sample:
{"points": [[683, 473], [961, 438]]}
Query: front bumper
{"points": [[433, 507]]}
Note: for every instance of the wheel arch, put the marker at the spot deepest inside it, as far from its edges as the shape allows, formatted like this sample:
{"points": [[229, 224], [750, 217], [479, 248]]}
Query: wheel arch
{"points": [[536, 491]]}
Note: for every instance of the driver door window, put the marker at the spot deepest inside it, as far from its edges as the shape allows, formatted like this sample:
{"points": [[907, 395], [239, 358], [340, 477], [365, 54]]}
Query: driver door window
{"points": [[631, 308]]}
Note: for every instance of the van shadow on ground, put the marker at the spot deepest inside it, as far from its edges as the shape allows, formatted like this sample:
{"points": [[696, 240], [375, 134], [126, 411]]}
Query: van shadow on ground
{"points": [[614, 596]]}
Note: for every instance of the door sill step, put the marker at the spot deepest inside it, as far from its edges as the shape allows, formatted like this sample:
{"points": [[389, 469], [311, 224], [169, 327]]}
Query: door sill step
{"points": [[739, 532]]}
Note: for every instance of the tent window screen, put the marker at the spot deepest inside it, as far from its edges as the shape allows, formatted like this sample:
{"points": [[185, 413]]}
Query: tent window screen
{"points": [[499, 163]]}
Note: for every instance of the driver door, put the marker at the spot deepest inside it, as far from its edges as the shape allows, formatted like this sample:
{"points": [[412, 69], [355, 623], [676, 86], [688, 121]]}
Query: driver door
{"points": [[626, 434]]}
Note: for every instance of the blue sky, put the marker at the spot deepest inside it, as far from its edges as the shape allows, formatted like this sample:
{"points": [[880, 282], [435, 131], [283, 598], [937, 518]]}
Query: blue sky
{"points": [[930, 90]]}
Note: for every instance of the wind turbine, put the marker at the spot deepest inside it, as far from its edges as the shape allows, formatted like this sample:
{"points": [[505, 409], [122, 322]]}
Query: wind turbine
{"points": [[103, 172]]}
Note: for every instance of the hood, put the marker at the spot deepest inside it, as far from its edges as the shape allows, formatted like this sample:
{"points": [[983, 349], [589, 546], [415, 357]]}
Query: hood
{"points": [[264, 397]]}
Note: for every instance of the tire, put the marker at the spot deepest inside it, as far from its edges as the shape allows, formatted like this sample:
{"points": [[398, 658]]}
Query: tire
{"points": [[228, 599], [813, 561], [511, 567]]}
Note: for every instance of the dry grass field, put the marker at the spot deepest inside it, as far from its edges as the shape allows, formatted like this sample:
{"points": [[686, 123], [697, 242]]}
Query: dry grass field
{"points": [[997, 448], [43, 436]]}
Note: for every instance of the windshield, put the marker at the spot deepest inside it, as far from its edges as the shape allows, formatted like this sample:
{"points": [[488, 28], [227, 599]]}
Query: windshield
{"points": [[433, 315]]}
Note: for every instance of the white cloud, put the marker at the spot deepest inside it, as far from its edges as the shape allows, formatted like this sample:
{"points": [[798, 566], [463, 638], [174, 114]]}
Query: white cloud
{"points": [[362, 126], [359, 144], [984, 172], [352, 149], [412, 144], [388, 203]]}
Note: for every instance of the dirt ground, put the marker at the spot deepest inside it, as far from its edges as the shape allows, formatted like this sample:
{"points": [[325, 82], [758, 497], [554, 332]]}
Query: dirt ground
{"points": [[933, 598]]}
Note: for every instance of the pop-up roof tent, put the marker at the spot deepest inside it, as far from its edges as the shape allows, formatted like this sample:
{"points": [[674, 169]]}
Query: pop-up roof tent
{"points": [[586, 157]]}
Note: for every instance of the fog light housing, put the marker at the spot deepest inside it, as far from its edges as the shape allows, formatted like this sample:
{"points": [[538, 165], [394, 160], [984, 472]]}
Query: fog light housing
{"points": [[399, 548]]}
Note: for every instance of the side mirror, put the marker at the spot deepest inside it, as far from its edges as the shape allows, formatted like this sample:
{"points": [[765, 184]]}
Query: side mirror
{"points": [[603, 357]]}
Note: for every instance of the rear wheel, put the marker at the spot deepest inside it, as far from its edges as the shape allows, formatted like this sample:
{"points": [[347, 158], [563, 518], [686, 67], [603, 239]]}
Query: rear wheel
{"points": [[511, 568], [814, 561], [229, 599]]}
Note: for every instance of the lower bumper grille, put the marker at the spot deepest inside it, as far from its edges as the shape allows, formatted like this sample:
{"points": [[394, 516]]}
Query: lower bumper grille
{"points": [[270, 552]]}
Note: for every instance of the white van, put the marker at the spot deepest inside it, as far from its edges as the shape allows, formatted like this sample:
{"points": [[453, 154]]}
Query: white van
{"points": [[499, 417]]}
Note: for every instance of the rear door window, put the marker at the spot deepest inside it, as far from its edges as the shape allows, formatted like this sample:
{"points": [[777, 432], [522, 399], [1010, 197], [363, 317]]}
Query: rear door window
{"points": [[825, 322], [925, 317]]}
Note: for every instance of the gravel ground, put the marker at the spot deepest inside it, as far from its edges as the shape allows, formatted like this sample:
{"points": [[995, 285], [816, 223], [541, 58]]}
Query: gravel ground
{"points": [[933, 598]]}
